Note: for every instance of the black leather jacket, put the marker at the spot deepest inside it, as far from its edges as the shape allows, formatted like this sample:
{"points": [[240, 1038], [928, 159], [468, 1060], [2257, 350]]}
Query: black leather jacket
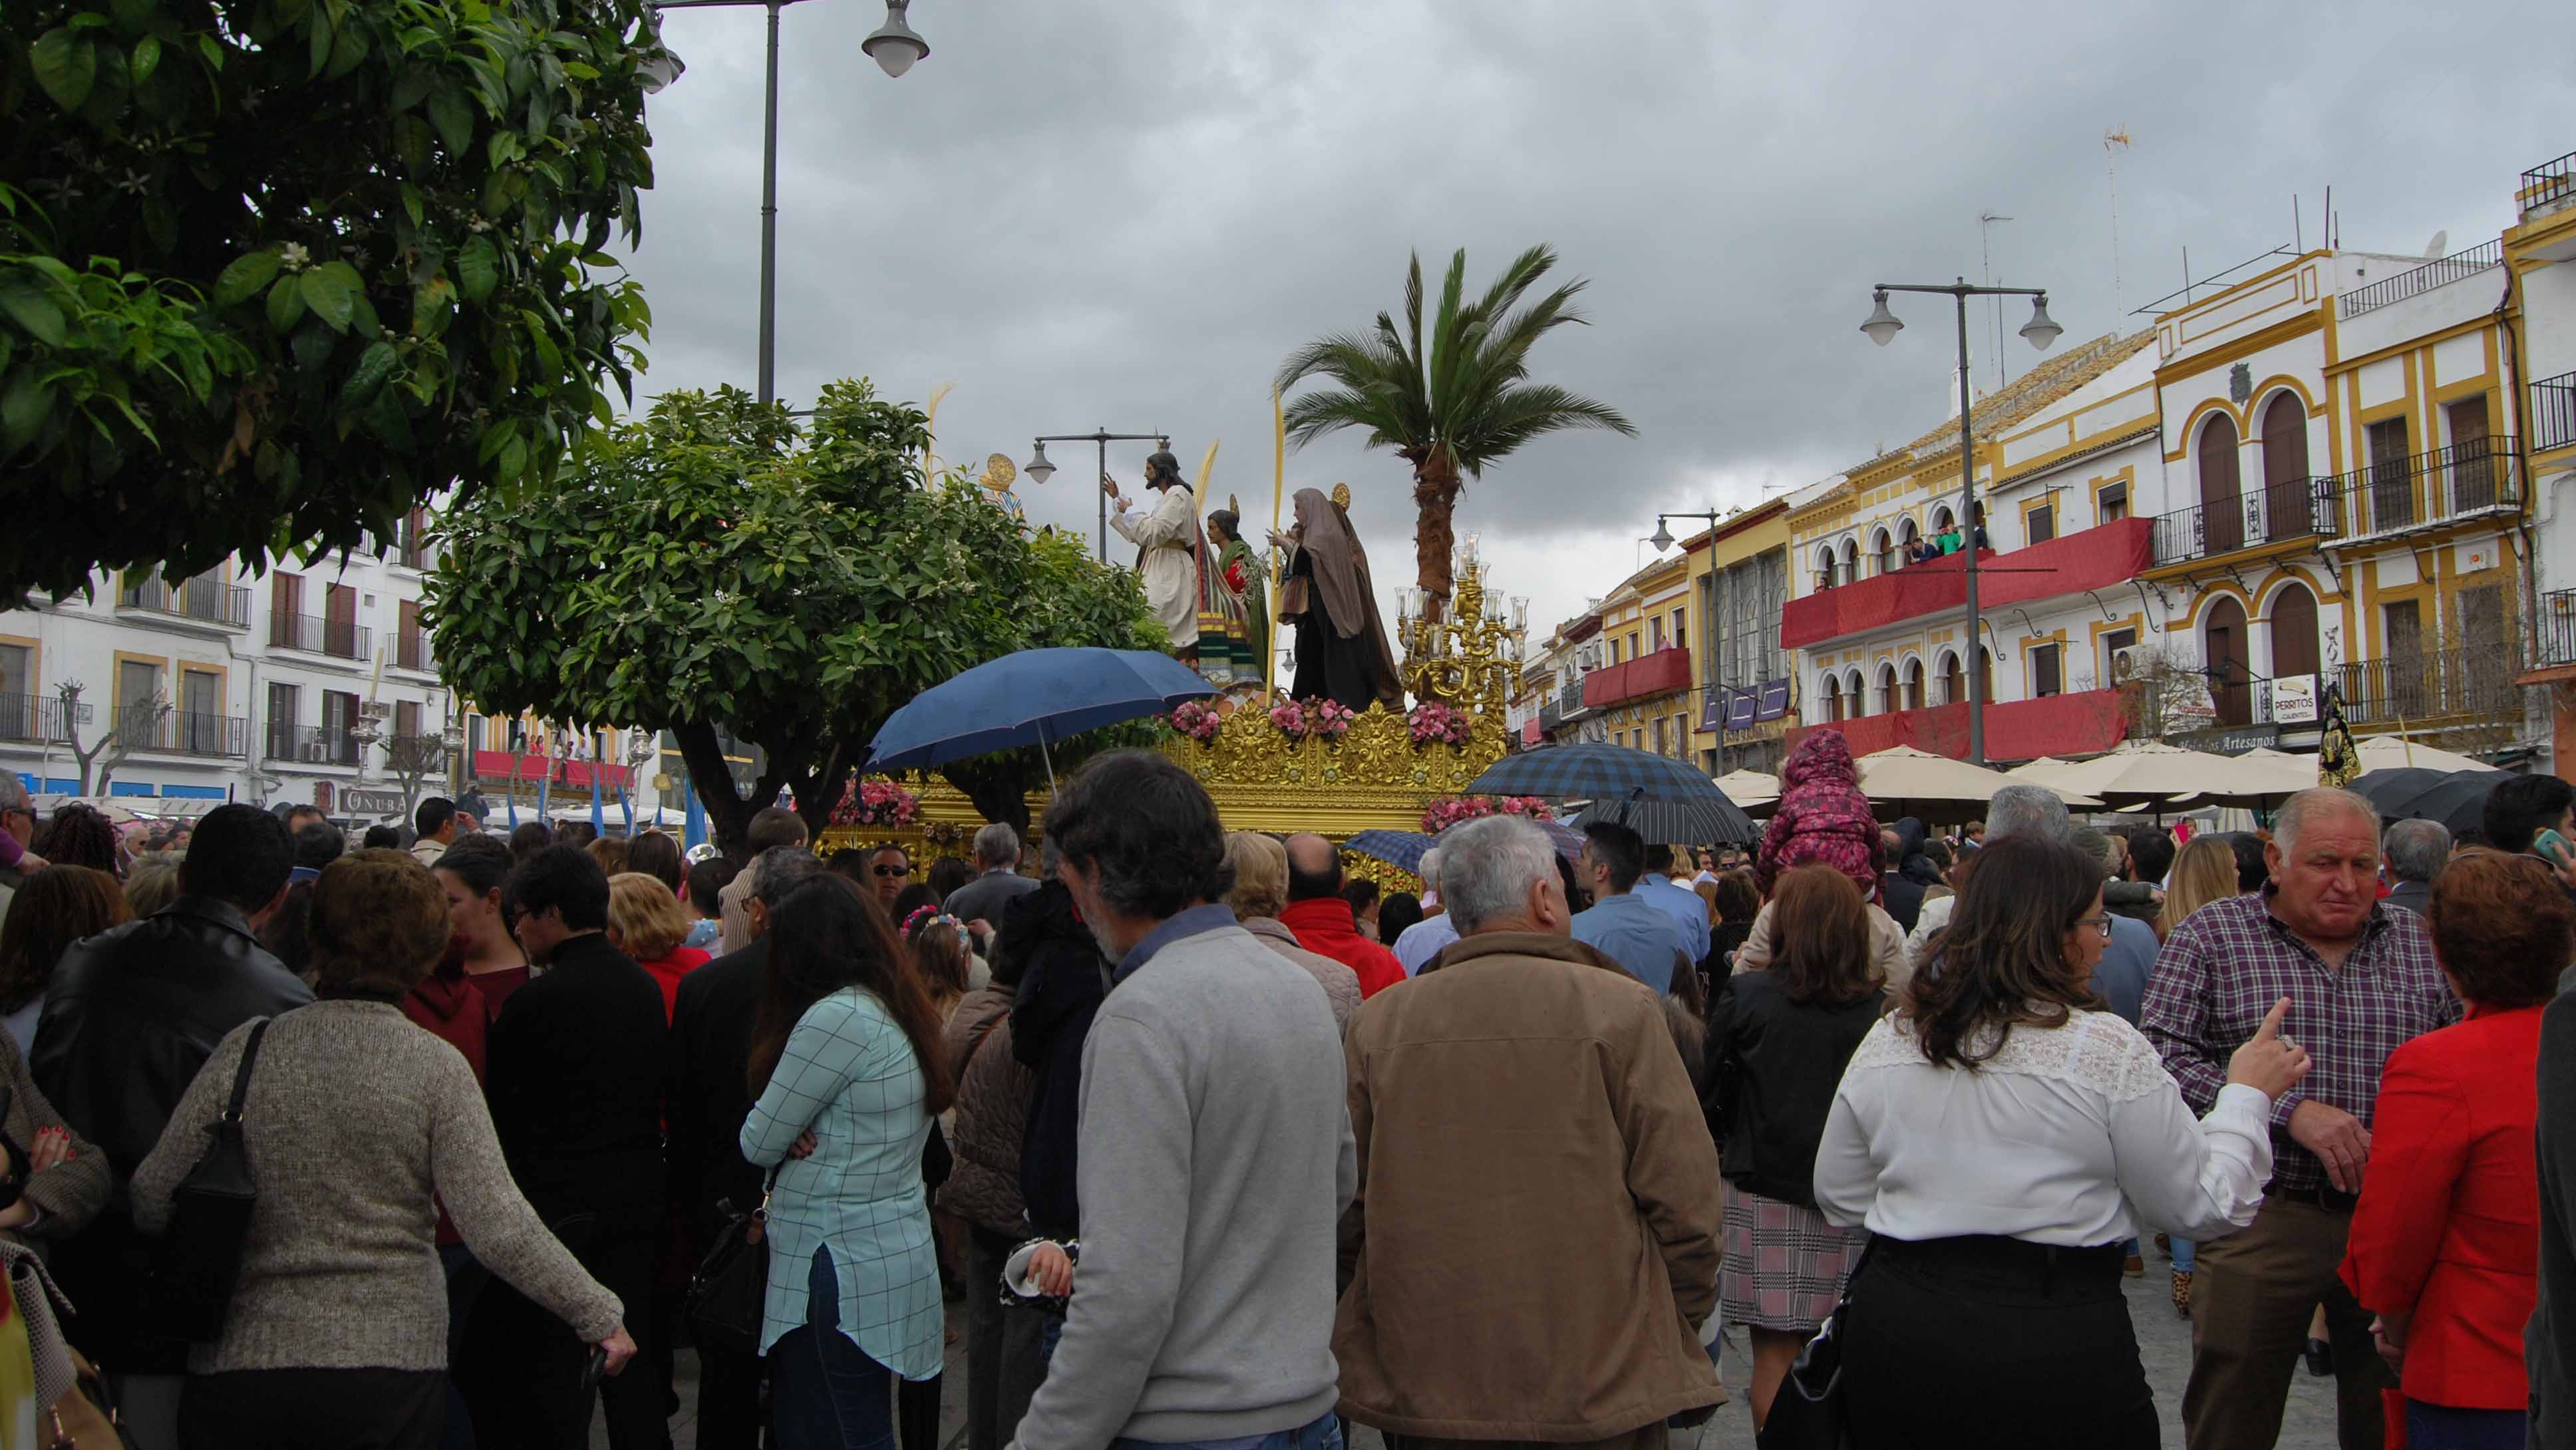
{"points": [[130, 1016]]}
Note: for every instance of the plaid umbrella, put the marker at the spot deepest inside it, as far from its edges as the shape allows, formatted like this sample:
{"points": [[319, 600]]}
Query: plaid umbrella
{"points": [[1664, 799], [1399, 849]]}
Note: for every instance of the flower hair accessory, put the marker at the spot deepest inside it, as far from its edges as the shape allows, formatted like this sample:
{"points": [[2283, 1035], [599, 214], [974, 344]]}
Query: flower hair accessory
{"points": [[925, 917]]}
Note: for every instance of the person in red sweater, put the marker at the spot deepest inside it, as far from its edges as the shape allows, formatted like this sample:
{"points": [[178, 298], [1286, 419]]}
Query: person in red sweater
{"points": [[2445, 1243], [646, 923], [1321, 916]]}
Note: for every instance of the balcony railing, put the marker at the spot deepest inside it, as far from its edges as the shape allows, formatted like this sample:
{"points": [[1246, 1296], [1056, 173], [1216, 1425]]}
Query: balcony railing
{"points": [[411, 652], [2084, 723], [38, 718], [2428, 488], [2553, 412], [210, 600], [2554, 641], [2094, 558], [2548, 184], [1659, 673], [317, 635], [410, 547], [2429, 685], [1569, 699], [181, 732], [2298, 508], [2417, 281], [312, 744]]}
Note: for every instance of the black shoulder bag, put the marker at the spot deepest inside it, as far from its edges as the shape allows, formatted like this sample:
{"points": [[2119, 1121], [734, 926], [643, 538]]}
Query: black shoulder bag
{"points": [[729, 1294], [210, 1211]]}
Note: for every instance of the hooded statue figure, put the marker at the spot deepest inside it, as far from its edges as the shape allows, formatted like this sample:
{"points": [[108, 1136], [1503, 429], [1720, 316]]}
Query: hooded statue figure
{"points": [[1341, 643]]}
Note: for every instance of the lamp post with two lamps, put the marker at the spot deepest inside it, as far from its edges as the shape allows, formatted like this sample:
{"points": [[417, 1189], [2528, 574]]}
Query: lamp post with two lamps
{"points": [[1038, 468], [894, 47], [1882, 328]]}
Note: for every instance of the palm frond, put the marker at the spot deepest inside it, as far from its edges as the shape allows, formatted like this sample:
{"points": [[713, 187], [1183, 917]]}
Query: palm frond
{"points": [[1520, 414], [1505, 292], [1504, 359], [1313, 415], [1341, 356]]}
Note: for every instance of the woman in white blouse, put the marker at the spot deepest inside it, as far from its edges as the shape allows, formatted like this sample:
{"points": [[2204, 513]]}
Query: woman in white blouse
{"points": [[1994, 1136]]}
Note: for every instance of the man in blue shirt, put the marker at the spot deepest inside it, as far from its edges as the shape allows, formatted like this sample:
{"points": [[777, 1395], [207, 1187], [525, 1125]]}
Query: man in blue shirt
{"points": [[1622, 924], [1675, 900]]}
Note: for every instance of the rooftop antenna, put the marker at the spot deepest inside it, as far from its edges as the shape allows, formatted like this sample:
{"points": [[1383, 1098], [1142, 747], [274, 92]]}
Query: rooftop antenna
{"points": [[1985, 254], [2115, 141]]}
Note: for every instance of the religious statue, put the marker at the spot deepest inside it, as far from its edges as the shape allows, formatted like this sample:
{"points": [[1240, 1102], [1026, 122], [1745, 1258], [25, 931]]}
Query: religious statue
{"points": [[1234, 631], [999, 472], [1327, 593], [1168, 549]]}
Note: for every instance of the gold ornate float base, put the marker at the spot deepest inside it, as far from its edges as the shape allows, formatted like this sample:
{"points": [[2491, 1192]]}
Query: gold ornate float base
{"points": [[1376, 777]]}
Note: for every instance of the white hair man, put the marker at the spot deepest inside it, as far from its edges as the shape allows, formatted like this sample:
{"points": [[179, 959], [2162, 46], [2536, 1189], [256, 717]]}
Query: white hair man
{"points": [[1525, 1056], [2360, 980], [2016, 810], [18, 824], [2417, 852], [997, 881], [1423, 940]]}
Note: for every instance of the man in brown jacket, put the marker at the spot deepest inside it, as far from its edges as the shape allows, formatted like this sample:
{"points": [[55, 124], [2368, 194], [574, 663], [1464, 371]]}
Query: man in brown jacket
{"points": [[1535, 1239]]}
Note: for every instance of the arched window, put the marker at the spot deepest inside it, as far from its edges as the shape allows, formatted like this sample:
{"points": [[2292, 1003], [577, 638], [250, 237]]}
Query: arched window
{"points": [[1914, 684], [1824, 566], [1942, 518], [2294, 633], [1888, 702], [2287, 513], [1829, 691], [2229, 680], [1853, 692], [1883, 545], [1954, 683], [2222, 518], [1851, 561]]}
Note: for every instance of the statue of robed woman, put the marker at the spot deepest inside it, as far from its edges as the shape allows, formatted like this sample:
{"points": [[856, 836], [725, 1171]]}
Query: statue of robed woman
{"points": [[1328, 595]]}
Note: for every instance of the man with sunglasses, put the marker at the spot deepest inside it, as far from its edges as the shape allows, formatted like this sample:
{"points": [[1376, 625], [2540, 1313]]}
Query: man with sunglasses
{"points": [[890, 870]]}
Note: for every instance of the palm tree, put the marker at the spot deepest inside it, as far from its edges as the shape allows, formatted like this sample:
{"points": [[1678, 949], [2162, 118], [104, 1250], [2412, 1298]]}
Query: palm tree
{"points": [[1461, 404]]}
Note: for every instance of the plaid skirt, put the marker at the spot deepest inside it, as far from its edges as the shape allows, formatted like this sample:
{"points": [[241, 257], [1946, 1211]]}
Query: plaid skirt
{"points": [[1783, 1267]]}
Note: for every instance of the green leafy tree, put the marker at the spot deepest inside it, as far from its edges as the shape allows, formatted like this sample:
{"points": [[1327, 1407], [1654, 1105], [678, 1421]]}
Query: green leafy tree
{"points": [[274, 271], [714, 563], [1460, 403]]}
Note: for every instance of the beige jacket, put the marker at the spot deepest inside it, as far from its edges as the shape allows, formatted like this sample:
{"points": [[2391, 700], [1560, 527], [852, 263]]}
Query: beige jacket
{"points": [[1886, 947]]}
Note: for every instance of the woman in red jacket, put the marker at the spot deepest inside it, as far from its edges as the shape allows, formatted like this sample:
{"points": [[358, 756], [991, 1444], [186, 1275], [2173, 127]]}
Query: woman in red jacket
{"points": [[2446, 1240]]}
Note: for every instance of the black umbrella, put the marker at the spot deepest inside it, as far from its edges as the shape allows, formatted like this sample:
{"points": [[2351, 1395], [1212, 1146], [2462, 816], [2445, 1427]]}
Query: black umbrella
{"points": [[2455, 798], [1666, 800]]}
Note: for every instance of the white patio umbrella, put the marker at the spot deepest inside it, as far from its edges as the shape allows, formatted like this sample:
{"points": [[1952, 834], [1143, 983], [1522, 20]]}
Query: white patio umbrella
{"points": [[1749, 787], [2396, 752], [2271, 774], [1904, 781], [2151, 771]]}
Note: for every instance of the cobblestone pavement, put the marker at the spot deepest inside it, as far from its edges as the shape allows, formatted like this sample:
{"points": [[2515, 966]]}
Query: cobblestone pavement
{"points": [[2164, 1342]]}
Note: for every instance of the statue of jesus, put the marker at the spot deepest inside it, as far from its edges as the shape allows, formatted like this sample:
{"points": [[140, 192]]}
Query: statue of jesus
{"points": [[1168, 549]]}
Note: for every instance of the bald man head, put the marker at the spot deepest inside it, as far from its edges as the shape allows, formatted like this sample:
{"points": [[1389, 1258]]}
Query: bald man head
{"points": [[1314, 868]]}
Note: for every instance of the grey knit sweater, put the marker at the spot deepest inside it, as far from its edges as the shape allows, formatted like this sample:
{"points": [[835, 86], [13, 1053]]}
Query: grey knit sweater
{"points": [[355, 1118]]}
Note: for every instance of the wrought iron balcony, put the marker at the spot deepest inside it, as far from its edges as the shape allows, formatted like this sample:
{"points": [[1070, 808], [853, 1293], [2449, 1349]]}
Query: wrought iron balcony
{"points": [[411, 652], [2429, 488], [2298, 508], [181, 732], [39, 719], [2428, 685], [2548, 186], [1569, 698], [312, 744], [201, 598], [2554, 641], [2553, 412], [2419, 280], [316, 635]]}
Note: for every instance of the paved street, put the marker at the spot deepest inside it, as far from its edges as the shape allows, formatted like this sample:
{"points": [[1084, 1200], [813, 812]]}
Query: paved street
{"points": [[2164, 1340]]}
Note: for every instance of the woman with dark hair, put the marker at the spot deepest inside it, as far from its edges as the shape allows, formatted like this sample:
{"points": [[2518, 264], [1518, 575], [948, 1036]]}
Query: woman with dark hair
{"points": [[471, 873], [1777, 1042], [1399, 911], [2445, 1245], [1994, 1136], [528, 838], [658, 856], [381, 838], [946, 875], [1738, 902], [847, 1062], [906, 902], [53, 908], [79, 835]]}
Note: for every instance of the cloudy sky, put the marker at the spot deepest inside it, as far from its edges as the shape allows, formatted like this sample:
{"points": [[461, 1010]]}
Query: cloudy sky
{"points": [[1127, 214]]}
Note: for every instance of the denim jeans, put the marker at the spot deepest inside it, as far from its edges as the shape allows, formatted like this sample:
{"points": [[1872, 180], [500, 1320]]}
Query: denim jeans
{"points": [[2184, 1255], [2440, 1427], [826, 1393], [1324, 1433]]}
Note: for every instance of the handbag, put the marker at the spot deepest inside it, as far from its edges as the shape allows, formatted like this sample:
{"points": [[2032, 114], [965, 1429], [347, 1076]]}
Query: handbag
{"points": [[1808, 1411], [200, 1259], [728, 1295]]}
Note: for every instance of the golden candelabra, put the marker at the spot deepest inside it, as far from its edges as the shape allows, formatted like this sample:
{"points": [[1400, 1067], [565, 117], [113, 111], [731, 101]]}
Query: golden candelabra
{"points": [[1470, 657]]}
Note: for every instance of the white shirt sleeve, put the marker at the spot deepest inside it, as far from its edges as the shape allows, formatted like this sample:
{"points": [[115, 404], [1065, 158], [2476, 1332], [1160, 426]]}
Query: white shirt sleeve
{"points": [[1846, 1173], [2194, 1178], [1167, 522]]}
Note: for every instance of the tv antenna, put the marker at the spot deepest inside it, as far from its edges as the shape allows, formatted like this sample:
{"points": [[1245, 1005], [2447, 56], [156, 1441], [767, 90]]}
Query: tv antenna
{"points": [[1985, 254], [2115, 141]]}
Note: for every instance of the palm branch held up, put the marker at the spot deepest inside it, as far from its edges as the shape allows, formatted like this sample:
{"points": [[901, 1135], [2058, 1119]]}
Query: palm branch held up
{"points": [[1459, 404]]}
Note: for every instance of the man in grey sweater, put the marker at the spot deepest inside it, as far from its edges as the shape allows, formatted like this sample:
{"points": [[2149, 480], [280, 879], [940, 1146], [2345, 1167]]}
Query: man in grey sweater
{"points": [[1216, 1150]]}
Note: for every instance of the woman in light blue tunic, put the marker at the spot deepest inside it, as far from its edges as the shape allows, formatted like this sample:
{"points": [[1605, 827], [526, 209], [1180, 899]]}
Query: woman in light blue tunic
{"points": [[848, 1068]]}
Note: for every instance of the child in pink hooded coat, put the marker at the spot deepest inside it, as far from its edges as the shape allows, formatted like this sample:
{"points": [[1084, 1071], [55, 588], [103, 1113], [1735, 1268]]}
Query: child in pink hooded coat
{"points": [[1823, 818]]}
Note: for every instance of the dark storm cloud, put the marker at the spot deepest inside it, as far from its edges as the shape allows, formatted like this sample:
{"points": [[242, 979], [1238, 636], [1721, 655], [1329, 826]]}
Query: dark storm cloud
{"points": [[1128, 214]]}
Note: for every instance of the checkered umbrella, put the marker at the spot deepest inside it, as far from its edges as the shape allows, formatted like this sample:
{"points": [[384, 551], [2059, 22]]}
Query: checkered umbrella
{"points": [[1399, 849], [1665, 800]]}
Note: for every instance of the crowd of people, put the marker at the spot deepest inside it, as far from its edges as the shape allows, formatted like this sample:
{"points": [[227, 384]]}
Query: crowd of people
{"points": [[1194, 1140]]}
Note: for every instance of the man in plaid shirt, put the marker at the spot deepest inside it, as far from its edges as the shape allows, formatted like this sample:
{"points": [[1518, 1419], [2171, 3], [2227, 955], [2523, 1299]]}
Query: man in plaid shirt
{"points": [[2360, 979]]}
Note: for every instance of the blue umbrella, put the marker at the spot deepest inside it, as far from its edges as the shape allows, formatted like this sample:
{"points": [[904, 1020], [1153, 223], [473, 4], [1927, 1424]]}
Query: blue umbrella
{"points": [[1665, 799], [1399, 849], [1031, 698]]}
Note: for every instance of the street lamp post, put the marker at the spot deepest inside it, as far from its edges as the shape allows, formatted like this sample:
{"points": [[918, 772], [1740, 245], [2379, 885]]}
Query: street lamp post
{"points": [[1662, 539], [1882, 328], [1038, 468], [893, 46]]}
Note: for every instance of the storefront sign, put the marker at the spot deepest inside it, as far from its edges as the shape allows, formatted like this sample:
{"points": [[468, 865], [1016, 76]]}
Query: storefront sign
{"points": [[356, 802], [2294, 699], [2228, 739], [1772, 700]]}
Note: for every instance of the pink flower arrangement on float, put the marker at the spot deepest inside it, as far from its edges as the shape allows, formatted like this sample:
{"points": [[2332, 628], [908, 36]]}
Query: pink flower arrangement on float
{"points": [[1320, 718], [875, 803], [1195, 720], [1440, 815], [1432, 721]]}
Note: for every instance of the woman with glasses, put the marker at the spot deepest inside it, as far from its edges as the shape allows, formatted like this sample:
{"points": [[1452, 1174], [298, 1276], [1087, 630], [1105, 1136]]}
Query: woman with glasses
{"points": [[1994, 1136]]}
